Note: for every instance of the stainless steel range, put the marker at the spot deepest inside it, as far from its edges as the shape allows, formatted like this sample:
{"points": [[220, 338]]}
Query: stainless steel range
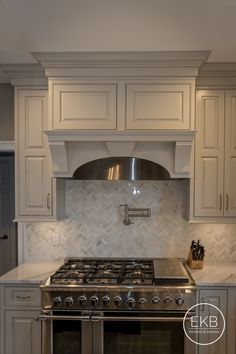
{"points": [[103, 306]]}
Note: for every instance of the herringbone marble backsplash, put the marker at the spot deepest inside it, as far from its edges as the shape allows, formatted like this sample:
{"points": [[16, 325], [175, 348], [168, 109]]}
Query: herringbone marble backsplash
{"points": [[94, 224]]}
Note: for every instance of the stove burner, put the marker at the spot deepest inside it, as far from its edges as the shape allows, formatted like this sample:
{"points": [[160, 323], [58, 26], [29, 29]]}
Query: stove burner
{"points": [[86, 271]]}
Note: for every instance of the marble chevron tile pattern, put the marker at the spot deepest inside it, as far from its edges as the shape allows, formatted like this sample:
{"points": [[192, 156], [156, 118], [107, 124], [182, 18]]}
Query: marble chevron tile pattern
{"points": [[94, 224]]}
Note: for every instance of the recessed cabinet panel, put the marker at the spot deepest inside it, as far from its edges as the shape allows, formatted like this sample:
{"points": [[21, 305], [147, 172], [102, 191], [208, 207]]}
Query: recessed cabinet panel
{"points": [[160, 106], [35, 200], [35, 115], [84, 106], [34, 177], [24, 332], [210, 122], [209, 200]]}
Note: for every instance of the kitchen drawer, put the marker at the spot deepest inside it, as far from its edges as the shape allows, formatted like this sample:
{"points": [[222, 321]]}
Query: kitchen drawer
{"points": [[22, 296]]}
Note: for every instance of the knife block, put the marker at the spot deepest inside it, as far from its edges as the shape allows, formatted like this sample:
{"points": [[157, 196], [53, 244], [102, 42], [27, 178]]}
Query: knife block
{"points": [[192, 263]]}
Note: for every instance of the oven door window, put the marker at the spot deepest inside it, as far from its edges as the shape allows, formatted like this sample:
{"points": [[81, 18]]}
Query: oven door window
{"points": [[137, 337], [67, 337]]}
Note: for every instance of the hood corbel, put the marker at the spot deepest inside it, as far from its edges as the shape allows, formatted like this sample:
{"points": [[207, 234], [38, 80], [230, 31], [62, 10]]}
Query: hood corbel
{"points": [[72, 149]]}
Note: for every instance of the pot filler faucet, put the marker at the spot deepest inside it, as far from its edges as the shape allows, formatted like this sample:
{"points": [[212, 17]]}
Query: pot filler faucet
{"points": [[135, 213]]}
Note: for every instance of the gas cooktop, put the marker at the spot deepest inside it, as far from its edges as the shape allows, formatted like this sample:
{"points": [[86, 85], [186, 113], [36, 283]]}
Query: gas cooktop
{"points": [[120, 271], [119, 284]]}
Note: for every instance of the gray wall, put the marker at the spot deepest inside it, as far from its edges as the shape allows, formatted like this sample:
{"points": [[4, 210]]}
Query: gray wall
{"points": [[6, 112]]}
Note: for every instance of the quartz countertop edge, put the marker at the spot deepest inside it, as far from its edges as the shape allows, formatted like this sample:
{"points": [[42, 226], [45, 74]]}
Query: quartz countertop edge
{"points": [[214, 274], [31, 272]]}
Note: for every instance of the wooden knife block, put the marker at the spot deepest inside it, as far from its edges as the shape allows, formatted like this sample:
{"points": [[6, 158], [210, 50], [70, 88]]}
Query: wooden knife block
{"points": [[192, 263]]}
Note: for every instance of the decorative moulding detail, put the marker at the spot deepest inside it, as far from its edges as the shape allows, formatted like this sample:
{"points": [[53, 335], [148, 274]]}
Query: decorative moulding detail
{"points": [[120, 148], [6, 146], [25, 74], [167, 63], [217, 75], [71, 149]]}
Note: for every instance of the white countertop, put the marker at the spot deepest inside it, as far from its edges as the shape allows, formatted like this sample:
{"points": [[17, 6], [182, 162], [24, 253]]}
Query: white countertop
{"points": [[214, 274], [31, 272], [223, 274]]}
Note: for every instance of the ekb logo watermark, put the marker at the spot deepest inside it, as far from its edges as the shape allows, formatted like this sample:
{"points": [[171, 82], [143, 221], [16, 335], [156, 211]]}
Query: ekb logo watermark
{"points": [[206, 326]]}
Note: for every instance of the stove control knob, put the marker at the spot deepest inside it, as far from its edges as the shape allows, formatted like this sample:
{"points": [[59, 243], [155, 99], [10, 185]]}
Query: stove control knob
{"points": [[69, 301], [167, 300], [57, 301], [156, 300], [105, 300], [130, 302], [82, 300], [94, 300], [117, 300], [179, 300], [142, 301]]}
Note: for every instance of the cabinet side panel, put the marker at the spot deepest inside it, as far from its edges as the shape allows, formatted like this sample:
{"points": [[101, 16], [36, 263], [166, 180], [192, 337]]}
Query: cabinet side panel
{"points": [[230, 154]]}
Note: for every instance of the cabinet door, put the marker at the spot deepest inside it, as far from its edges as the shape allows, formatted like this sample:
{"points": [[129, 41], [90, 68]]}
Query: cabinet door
{"points": [[83, 106], [22, 332], [219, 299], [34, 182], [209, 153], [158, 106], [230, 154]]}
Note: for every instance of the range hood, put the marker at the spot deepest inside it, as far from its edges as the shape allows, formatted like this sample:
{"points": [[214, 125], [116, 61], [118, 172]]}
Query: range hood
{"points": [[121, 155], [140, 110], [121, 168]]}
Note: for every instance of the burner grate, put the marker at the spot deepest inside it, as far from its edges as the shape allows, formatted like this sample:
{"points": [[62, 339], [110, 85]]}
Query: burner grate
{"points": [[105, 271]]}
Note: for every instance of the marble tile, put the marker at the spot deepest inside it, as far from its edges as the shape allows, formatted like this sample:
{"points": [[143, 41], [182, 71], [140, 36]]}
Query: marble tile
{"points": [[94, 224]]}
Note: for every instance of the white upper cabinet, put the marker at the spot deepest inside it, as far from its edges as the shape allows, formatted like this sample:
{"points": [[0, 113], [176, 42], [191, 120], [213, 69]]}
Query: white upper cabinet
{"points": [[120, 105], [35, 189], [83, 105], [158, 106], [215, 154]]}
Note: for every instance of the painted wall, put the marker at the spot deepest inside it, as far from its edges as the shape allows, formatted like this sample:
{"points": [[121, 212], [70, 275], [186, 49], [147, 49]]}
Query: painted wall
{"points": [[6, 112], [94, 224]]}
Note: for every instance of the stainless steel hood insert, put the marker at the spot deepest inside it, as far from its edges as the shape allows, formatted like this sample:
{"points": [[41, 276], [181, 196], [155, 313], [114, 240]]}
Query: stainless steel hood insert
{"points": [[121, 168]]}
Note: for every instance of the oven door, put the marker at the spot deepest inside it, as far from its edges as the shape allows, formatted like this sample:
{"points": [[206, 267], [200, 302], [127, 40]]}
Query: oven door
{"points": [[120, 333], [66, 332]]}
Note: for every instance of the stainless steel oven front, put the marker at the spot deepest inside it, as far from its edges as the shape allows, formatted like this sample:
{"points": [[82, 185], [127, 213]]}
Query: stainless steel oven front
{"points": [[74, 332]]}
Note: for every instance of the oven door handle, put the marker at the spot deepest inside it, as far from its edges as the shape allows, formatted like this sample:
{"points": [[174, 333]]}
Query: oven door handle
{"points": [[63, 318], [141, 319]]}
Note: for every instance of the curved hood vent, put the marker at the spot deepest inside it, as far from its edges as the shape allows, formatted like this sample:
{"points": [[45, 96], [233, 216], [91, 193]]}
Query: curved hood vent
{"points": [[121, 168]]}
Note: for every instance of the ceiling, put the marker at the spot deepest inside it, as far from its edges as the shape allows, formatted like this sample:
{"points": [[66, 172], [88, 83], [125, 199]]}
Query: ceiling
{"points": [[116, 25]]}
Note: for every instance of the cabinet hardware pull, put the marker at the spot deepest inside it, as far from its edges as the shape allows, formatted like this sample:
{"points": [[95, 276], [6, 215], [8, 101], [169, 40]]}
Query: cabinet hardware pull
{"points": [[203, 304], [21, 297], [227, 202], [221, 200], [4, 237], [48, 200]]}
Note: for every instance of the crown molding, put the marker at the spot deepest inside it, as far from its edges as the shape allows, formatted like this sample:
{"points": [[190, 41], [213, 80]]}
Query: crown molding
{"points": [[217, 75], [72, 63], [25, 74], [7, 146]]}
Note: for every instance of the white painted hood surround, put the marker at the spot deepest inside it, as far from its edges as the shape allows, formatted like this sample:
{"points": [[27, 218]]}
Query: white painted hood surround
{"points": [[71, 148]]}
